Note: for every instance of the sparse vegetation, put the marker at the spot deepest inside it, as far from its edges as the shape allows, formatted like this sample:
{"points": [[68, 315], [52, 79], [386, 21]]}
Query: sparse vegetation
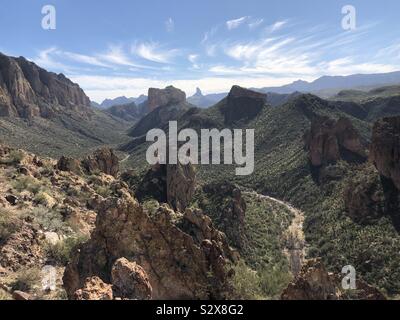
{"points": [[27, 279], [61, 251], [8, 225]]}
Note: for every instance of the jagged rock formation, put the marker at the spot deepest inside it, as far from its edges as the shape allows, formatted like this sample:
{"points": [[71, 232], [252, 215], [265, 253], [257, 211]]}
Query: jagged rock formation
{"points": [[227, 210], [172, 184], [130, 281], [315, 283], [27, 90], [181, 183], [329, 141], [385, 148], [103, 160], [178, 266], [385, 155], [364, 197], [69, 164], [164, 97], [163, 105], [94, 289], [242, 104], [153, 185]]}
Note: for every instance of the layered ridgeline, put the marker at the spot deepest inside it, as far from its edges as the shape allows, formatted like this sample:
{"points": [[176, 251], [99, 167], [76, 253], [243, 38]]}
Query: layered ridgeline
{"points": [[311, 152], [47, 113]]}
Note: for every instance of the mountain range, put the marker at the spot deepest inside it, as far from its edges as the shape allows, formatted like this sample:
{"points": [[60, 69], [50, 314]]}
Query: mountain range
{"points": [[79, 196]]}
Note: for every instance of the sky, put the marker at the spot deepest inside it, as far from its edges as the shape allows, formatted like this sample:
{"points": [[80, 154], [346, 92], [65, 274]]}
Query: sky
{"points": [[121, 47]]}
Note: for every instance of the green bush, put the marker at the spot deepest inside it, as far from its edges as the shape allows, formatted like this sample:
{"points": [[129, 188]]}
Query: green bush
{"points": [[48, 219], [15, 157], [61, 252], [27, 183], [26, 279], [246, 284], [8, 225]]}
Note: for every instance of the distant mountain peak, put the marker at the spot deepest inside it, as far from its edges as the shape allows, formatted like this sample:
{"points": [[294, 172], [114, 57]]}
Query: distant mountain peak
{"points": [[198, 93]]}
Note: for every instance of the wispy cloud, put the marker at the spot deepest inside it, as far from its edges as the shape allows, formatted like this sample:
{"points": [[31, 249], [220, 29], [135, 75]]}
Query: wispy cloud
{"points": [[85, 59], [170, 25], [152, 51], [277, 25], [255, 23], [233, 24]]}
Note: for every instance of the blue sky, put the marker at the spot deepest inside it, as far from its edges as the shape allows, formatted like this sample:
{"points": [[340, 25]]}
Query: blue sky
{"points": [[122, 47]]}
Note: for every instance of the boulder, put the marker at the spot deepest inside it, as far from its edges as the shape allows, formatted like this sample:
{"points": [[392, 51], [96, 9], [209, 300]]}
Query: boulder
{"points": [[313, 283], [130, 281], [69, 164], [103, 160], [94, 289]]}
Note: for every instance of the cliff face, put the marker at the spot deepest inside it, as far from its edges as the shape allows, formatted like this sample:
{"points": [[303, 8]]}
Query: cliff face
{"points": [[27, 90], [243, 104], [183, 256], [163, 97], [329, 141], [385, 155], [385, 148]]}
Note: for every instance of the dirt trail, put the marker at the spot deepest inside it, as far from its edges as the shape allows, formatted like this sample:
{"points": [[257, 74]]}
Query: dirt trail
{"points": [[125, 159], [294, 240]]}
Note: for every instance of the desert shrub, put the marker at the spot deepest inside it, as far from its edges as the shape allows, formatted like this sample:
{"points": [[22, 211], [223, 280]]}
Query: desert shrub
{"points": [[4, 295], [27, 183], [8, 225], [274, 281], [15, 157], [246, 284], [104, 191], [26, 279], [48, 219], [61, 251], [151, 206]]}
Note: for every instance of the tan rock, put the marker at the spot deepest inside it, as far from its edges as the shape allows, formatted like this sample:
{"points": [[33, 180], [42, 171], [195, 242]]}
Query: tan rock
{"points": [[130, 281], [94, 289]]}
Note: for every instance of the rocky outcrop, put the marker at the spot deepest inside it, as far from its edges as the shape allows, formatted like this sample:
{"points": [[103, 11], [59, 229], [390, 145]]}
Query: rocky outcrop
{"points": [[27, 90], [94, 289], [385, 148], [228, 210], [164, 97], [313, 283], [103, 160], [23, 248], [69, 164], [243, 104], [329, 140], [177, 265], [172, 184], [364, 197], [385, 155], [181, 183], [130, 281]]}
